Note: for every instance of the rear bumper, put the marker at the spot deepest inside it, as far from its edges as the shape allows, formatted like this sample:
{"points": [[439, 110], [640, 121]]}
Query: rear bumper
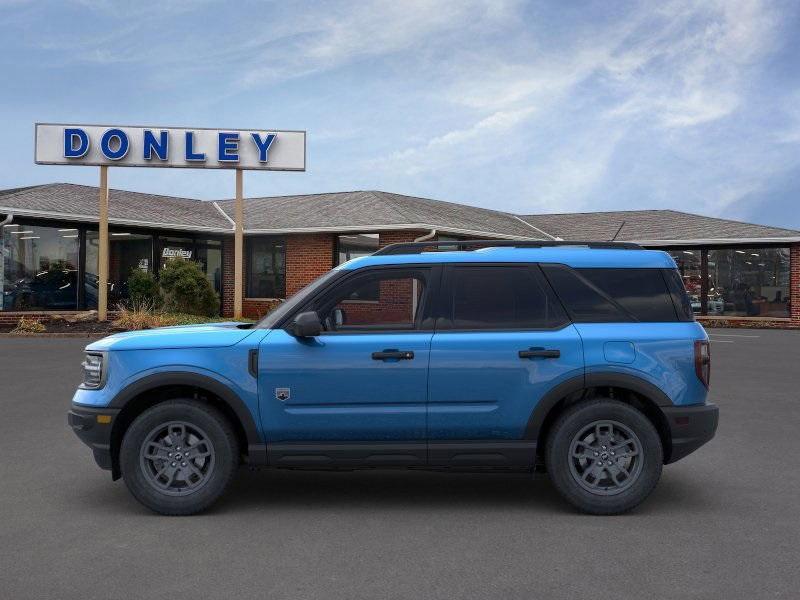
{"points": [[690, 427], [93, 432]]}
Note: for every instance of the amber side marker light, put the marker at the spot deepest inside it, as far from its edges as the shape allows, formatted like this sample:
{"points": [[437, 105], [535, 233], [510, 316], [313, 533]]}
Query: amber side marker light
{"points": [[104, 419]]}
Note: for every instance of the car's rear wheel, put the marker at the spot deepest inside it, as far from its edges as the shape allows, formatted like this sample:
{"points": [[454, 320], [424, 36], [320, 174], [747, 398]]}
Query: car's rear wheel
{"points": [[604, 456], [178, 457]]}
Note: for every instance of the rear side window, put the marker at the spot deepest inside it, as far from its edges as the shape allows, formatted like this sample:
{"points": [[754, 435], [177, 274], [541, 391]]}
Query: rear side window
{"points": [[585, 302], [641, 292], [500, 297], [613, 295]]}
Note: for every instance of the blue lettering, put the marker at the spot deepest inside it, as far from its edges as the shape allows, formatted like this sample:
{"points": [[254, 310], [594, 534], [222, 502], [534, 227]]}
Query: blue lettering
{"points": [[122, 144], [159, 146], [263, 145], [190, 153], [70, 137], [228, 147]]}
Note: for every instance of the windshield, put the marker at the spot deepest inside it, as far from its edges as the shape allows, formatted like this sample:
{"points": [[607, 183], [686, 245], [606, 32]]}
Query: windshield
{"points": [[283, 309]]}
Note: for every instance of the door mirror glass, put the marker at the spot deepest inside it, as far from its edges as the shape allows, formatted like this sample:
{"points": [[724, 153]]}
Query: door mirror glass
{"points": [[306, 324]]}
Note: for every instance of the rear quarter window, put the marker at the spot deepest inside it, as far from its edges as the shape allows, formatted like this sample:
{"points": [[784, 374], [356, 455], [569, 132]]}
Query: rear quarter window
{"points": [[612, 295]]}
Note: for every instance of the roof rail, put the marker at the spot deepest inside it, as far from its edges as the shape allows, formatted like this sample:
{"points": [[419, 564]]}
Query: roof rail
{"points": [[466, 245]]}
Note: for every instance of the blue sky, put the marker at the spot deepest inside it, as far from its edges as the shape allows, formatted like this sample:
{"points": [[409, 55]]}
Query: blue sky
{"points": [[521, 106]]}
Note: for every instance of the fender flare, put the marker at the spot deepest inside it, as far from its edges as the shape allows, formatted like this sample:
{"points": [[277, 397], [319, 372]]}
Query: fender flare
{"points": [[591, 380], [256, 449]]}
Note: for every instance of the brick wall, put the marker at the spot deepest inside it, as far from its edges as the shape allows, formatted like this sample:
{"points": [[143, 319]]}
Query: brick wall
{"points": [[227, 277], [307, 257], [794, 283]]}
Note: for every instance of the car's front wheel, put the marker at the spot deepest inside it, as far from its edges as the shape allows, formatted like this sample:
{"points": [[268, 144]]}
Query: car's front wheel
{"points": [[604, 456], [178, 457]]}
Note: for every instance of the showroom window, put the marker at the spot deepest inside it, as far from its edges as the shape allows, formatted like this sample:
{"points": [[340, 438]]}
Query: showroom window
{"points": [[354, 245], [266, 267], [690, 263], [749, 282], [128, 251], [39, 267]]}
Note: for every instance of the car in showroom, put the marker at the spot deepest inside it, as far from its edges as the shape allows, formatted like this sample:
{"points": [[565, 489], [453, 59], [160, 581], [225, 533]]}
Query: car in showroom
{"points": [[579, 359]]}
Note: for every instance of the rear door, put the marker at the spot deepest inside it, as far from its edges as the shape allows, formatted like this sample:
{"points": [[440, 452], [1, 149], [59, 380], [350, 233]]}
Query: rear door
{"points": [[502, 341]]}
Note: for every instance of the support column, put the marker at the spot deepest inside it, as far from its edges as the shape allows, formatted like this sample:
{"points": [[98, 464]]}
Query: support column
{"points": [[103, 253], [238, 248]]}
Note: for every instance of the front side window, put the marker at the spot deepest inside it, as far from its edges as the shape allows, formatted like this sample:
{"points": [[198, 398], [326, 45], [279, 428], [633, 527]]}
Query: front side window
{"points": [[266, 267], [39, 267], [489, 297], [397, 304]]}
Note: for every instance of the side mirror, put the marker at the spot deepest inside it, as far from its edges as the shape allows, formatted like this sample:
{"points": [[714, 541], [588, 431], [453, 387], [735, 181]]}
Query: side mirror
{"points": [[338, 317], [306, 325]]}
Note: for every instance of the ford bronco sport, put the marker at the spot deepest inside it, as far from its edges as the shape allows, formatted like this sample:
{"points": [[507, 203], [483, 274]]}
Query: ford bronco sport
{"points": [[582, 359]]}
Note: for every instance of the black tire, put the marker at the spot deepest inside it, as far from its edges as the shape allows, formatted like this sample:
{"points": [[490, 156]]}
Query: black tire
{"points": [[579, 457], [202, 479]]}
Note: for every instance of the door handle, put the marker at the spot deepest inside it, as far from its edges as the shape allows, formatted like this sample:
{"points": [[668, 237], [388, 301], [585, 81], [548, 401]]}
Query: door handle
{"points": [[393, 354], [539, 353]]}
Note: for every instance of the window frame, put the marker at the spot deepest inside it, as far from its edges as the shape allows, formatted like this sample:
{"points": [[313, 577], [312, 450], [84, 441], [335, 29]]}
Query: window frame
{"points": [[446, 295]]}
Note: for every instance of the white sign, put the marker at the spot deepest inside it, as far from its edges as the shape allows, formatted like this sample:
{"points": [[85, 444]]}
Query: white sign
{"points": [[123, 146], [176, 253]]}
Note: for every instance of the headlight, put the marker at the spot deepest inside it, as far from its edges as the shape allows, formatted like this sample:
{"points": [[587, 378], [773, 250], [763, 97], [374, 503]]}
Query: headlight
{"points": [[93, 371]]}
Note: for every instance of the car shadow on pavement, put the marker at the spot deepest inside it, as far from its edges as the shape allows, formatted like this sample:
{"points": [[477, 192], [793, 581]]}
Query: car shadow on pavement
{"points": [[396, 490]]}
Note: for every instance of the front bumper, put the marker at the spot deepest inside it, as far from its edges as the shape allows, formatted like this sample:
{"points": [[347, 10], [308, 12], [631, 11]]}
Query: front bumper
{"points": [[690, 427], [93, 426]]}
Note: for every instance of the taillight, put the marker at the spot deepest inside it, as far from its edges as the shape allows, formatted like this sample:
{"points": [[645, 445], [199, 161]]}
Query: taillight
{"points": [[702, 361]]}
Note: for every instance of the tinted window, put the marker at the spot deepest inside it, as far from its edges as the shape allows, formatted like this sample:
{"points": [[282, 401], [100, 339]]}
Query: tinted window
{"points": [[501, 298], [680, 298], [585, 302], [641, 292], [266, 267]]}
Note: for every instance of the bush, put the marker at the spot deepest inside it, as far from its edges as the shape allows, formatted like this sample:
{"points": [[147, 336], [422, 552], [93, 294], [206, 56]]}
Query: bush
{"points": [[27, 325], [186, 290], [143, 289], [139, 316]]}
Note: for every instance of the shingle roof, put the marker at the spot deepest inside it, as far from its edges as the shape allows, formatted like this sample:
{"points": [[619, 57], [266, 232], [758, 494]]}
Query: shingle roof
{"points": [[365, 210], [70, 201], [652, 226]]}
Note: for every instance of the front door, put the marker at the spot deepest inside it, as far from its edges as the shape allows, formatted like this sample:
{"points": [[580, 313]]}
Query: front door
{"points": [[358, 391], [502, 342]]}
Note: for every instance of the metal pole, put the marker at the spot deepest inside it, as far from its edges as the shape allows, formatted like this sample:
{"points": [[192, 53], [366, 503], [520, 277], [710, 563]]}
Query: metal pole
{"points": [[102, 258], [238, 255]]}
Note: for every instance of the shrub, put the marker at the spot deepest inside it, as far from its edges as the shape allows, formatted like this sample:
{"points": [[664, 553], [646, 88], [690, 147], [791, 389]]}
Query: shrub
{"points": [[143, 289], [28, 325], [186, 290]]}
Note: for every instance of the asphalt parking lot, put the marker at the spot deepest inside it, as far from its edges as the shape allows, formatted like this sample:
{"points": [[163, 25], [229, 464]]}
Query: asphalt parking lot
{"points": [[723, 523]]}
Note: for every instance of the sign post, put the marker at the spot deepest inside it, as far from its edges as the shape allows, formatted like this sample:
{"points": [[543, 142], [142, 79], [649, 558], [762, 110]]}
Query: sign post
{"points": [[175, 147], [238, 244], [103, 253]]}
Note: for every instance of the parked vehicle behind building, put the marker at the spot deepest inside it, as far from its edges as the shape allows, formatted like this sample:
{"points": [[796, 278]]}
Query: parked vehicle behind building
{"points": [[583, 360]]}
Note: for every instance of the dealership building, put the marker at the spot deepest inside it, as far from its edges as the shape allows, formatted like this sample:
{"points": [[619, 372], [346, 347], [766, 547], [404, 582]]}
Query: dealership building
{"points": [[737, 274]]}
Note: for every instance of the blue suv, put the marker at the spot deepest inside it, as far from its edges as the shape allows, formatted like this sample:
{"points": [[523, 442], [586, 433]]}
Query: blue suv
{"points": [[582, 360]]}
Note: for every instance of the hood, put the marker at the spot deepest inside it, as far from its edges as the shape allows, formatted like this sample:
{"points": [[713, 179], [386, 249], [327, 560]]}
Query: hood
{"points": [[209, 335]]}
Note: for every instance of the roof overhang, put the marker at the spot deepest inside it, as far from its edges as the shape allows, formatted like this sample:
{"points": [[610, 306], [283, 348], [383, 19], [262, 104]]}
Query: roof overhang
{"points": [[719, 241], [275, 231], [113, 221]]}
